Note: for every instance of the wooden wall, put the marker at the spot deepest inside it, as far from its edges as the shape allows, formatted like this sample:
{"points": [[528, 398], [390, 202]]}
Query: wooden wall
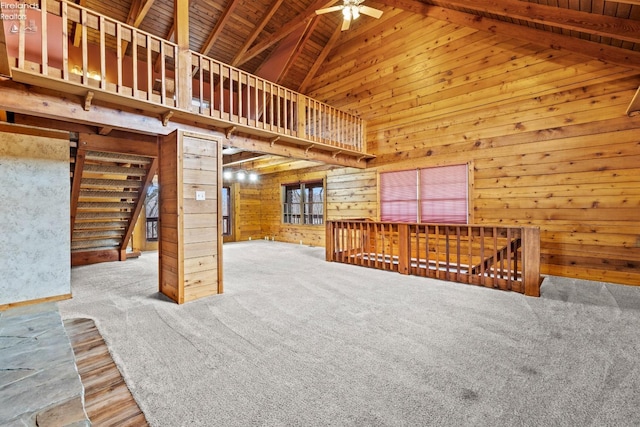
{"points": [[271, 204], [190, 255], [545, 131], [246, 211]]}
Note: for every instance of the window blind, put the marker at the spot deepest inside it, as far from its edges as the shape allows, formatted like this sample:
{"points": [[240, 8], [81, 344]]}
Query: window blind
{"points": [[398, 196], [443, 194], [428, 195]]}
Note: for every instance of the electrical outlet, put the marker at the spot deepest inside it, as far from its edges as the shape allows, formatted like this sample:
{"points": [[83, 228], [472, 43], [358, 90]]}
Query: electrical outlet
{"points": [[200, 195]]}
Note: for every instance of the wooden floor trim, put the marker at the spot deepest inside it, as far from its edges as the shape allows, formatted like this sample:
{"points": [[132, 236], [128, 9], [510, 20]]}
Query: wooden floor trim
{"points": [[108, 401]]}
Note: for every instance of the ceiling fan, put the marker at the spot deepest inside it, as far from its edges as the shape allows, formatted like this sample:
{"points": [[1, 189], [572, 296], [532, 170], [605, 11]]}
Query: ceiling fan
{"points": [[351, 9]]}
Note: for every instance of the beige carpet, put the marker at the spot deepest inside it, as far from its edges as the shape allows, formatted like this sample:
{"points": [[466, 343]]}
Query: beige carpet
{"points": [[297, 341]]}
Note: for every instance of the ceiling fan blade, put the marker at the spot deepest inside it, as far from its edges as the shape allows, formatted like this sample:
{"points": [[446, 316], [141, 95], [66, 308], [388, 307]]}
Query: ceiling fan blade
{"points": [[329, 9], [346, 23], [374, 13]]}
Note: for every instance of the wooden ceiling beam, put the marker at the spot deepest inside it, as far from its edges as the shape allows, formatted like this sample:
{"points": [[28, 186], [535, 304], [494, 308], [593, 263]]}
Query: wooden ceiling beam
{"points": [[16, 97], [616, 55], [634, 2], [284, 166], [239, 158], [320, 59], [137, 12], [634, 107], [559, 17], [256, 31], [297, 51], [285, 30], [77, 28], [217, 30]]}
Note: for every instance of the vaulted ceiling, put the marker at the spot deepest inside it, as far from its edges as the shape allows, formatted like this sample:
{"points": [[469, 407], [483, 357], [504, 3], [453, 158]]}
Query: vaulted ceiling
{"points": [[287, 42]]}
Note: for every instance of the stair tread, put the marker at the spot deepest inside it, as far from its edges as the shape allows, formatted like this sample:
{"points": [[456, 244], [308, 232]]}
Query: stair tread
{"points": [[116, 158]]}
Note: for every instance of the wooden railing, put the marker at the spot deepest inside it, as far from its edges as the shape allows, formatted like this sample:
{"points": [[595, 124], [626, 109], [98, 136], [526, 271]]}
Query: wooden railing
{"points": [[72, 44], [506, 258]]}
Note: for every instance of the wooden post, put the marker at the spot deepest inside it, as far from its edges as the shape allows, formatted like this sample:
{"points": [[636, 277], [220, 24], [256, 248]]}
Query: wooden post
{"points": [[302, 116], [183, 80], [329, 241], [531, 261], [404, 249], [190, 247]]}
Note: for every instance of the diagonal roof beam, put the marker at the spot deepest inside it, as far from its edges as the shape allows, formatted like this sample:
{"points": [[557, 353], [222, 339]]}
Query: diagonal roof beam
{"points": [[285, 30], [170, 36], [256, 31], [137, 13], [300, 46], [278, 64], [320, 59], [568, 19], [583, 47], [636, 2], [222, 21], [77, 28]]}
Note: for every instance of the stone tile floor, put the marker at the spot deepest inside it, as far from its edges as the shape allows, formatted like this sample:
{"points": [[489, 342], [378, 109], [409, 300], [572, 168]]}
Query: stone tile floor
{"points": [[39, 381]]}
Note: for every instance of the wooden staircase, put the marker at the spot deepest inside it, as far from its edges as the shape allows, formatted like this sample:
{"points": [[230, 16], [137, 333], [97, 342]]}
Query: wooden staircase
{"points": [[110, 179]]}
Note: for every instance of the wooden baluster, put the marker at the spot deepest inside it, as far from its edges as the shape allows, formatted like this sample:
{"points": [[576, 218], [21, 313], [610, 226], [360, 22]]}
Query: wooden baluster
{"points": [[241, 106], [176, 53], [349, 248], [221, 90], [163, 82], [231, 102], [212, 96], [286, 110], [103, 53], [120, 70], [418, 269], [458, 255], [470, 249], [437, 250], [482, 257], [509, 260], [134, 61], [254, 89], [65, 41], [447, 252], [200, 69], [85, 51], [149, 68], [494, 269], [517, 275], [43, 38]]}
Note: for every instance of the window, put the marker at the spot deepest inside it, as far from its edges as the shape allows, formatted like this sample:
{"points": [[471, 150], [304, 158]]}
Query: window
{"points": [[428, 195], [151, 212], [303, 203], [226, 211]]}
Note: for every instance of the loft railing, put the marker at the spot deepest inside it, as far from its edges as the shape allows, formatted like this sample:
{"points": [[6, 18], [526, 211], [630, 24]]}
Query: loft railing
{"points": [[71, 44], [506, 258]]}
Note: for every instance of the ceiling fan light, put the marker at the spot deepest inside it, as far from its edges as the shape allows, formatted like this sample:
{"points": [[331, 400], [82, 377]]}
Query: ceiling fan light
{"points": [[346, 12], [355, 12]]}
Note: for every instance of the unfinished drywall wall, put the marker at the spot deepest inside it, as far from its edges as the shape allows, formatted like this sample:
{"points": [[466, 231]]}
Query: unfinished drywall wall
{"points": [[34, 193]]}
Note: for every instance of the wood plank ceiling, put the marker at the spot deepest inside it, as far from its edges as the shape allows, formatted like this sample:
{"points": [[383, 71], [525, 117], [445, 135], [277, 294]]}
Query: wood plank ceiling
{"points": [[287, 42]]}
